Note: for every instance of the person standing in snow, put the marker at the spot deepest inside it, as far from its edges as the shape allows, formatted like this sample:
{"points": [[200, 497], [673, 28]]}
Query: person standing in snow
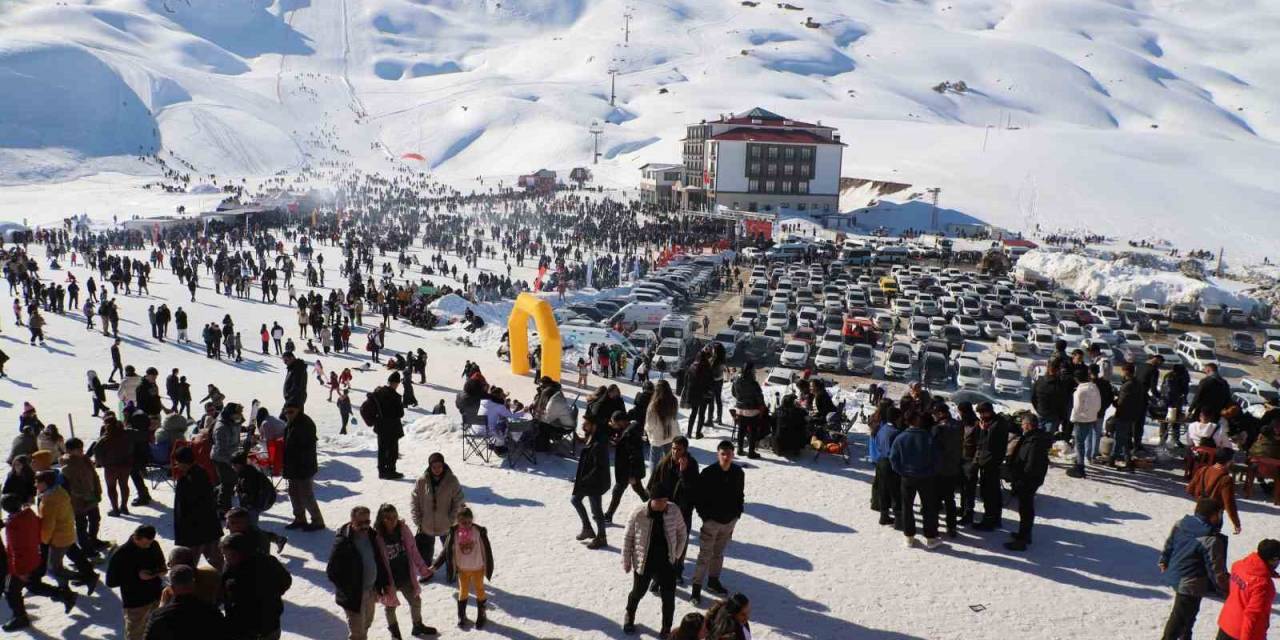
{"points": [[386, 412], [1028, 462], [1247, 612], [295, 380], [468, 558], [591, 482], [406, 568], [651, 552], [435, 502], [1193, 562], [720, 503]]}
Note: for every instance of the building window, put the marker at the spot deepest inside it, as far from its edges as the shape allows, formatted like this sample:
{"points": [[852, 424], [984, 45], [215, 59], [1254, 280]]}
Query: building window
{"points": [[802, 187], [753, 185], [773, 153], [789, 170], [755, 152], [769, 186], [804, 153], [755, 168], [786, 187], [773, 169], [790, 153]]}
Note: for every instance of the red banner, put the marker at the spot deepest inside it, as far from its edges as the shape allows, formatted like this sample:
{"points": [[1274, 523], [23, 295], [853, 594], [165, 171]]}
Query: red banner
{"points": [[755, 228]]}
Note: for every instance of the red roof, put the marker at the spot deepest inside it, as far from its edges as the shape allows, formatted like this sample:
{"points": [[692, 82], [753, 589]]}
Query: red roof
{"points": [[1019, 243], [764, 118], [792, 136]]}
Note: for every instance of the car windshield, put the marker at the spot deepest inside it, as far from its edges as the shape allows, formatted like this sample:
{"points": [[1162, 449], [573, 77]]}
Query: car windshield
{"points": [[828, 352], [1007, 374], [779, 379], [795, 347], [862, 351], [1203, 354], [899, 356], [725, 336], [970, 371], [668, 350]]}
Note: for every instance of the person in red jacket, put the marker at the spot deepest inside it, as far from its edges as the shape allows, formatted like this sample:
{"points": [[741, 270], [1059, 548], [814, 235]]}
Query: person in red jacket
{"points": [[22, 540], [1247, 611]]}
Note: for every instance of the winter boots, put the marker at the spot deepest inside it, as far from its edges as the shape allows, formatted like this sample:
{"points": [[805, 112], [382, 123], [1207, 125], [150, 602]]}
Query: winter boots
{"points": [[395, 631], [695, 594], [423, 631], [599, 542], [586, 534], [629, 624], [714, 586], [480, 617], [462, 615]]}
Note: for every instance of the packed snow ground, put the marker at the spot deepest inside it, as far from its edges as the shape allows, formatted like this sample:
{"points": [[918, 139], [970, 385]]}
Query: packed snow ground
{"points": [[1117, 116], [808, 551]]}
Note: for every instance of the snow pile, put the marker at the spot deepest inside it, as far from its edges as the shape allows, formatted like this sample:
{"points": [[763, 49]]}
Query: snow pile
{"points": [[454, 306], [431, 427], [1092, 276]]}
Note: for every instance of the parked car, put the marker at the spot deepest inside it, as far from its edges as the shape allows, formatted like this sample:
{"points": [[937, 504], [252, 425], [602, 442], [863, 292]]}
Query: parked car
{"points": [[967, 325], [829, 358], [969, 373], [795, 354], [1199, 338], [1042, 339], [670, 356], [1262, 388], [933, 370], [1196, 356], [1070, 331], [1014, 343], [1006, 376], [1243, 342], [897, 361], [1271, 353], [992, 329], [731, 340], [861, 359], [1165, 351]]}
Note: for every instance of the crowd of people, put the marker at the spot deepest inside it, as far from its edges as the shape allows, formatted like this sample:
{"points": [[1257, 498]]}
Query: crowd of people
{"points": [[404, 247]]}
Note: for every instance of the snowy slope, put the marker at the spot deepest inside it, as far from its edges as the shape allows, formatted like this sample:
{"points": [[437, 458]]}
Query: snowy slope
{"points": [[1123, 115]]}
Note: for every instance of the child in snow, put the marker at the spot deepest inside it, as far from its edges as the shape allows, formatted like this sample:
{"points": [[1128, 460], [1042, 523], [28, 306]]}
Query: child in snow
{"points": [[468, 559]]}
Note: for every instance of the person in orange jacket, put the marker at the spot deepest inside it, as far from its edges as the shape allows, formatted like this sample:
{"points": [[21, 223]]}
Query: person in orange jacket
{"points": [[22, 541], [1247, 611]]}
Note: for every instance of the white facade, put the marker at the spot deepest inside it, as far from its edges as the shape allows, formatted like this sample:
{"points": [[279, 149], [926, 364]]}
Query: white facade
{"points": [[730, 166]]}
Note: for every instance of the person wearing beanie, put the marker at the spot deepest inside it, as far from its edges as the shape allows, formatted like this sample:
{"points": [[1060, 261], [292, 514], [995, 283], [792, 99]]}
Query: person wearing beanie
{"points": [[185, 614], [1246, 613], [651, 551], [434, 505]]}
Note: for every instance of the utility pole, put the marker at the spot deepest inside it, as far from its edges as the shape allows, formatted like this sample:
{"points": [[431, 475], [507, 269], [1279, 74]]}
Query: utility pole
{"points": [[595, 131], [933, 211]]}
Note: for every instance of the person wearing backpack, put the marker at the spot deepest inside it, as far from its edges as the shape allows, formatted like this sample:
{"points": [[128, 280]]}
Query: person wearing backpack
{"points": [[253, 489]]}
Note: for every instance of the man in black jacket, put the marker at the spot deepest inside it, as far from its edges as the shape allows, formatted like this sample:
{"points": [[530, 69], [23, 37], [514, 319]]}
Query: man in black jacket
{"points": [[253, 587], [148, 395], [992, 440], [186, 616], [300, 468], [677, 476], [295, 380], [388, 426], [1130, 416], [195, 512], [1212, 394], [135, 568], [1051, 398], [720, 503], [358, 572], [173, 389], [1148, 375], [1027, 468]]}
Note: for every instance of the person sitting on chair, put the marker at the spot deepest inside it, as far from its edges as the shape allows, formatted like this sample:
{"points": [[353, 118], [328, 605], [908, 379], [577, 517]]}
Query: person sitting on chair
{"points": [[790, 428], [552, 412]]}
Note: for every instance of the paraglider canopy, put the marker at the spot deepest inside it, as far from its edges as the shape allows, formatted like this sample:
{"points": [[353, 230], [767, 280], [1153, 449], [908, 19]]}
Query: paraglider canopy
{"points": [[414, 156]]}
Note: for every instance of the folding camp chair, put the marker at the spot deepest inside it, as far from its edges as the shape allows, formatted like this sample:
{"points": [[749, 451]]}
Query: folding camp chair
{"points": [[520, 438], [476, 439], [271, 463], [159, 468], [567, 436]]}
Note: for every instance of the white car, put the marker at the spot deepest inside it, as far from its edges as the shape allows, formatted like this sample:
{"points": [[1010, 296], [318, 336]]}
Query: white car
{"points": [[1014, 343], [861, 359], [1198, 338], [670, 356], [969, 373], [1108, 315], [780, 320], [1132, 340], [1006, 376], [897, 360], [781, 377], [1261, 388], [1272, 352], [730, 339], [1039, 315], [1196, 356], [920, 328], [829, 358], [992, 329], [967, 325], [1165, 351], [1070, 331], [1016, 325], [1102, 332], [795, 354], [902, 307]]}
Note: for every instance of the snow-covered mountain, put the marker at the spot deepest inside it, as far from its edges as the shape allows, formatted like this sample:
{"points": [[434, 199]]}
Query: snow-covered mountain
{"points": [[1138, 117]]}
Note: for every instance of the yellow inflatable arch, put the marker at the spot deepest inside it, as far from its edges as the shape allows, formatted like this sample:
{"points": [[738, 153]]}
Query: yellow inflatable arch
{"points": [[530, 306]]}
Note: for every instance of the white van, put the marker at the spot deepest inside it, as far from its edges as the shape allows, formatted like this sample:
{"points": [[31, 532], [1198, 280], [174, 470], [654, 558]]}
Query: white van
{"points": [[894, 254], [679, 326], [1199, 338], [1196, 356], [641, 315]]}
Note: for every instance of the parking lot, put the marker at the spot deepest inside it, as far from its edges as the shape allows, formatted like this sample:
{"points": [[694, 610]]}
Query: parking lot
{"points": [[725, 308]]}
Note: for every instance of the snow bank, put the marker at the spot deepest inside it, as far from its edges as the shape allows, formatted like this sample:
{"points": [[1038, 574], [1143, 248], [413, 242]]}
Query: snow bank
{"points": [[1091, 276], [432, 427]]}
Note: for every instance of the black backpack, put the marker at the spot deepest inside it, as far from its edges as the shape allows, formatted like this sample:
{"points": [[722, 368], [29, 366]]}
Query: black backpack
{"points": [[370, 411]]}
